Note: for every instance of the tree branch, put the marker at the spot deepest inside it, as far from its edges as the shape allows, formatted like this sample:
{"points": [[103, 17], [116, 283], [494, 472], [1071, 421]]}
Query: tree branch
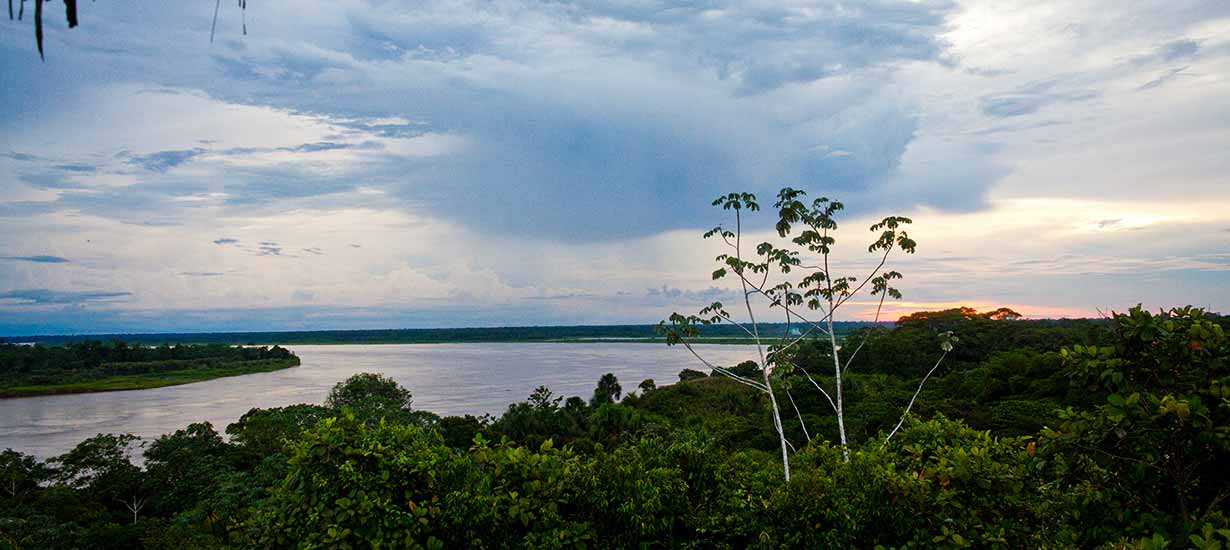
{"points": [[817, 385], [883, 259], [911, 404], [799, 414], [864, 340], [722, 370]]}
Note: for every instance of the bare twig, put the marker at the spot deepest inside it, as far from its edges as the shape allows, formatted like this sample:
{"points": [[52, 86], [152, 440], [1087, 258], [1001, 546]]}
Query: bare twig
{"points": [[817, 385], [814, 324], [867, 279], [722, 370], [728, 319], [802, 423], [911, 404], [864, 340]]}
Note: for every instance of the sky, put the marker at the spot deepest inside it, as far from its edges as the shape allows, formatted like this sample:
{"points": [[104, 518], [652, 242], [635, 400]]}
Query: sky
{"points": [[374, 164]]}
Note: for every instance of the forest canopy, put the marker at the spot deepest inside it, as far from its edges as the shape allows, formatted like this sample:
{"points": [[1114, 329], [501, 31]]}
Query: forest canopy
{"points": [[1084, 434]]}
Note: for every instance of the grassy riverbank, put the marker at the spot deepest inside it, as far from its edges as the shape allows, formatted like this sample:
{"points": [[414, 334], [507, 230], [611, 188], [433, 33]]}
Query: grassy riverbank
{"points": [[93, 366], [158, 376]]}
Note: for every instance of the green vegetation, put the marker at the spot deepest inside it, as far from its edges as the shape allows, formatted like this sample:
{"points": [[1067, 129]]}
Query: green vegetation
{"points": [[575, 334], [776, 277], [1033, 434], [92, 366]]}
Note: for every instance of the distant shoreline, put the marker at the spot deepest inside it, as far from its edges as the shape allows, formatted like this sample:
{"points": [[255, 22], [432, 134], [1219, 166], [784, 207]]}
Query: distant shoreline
{"points": [[582, 334], [702, 340], [151, 380], [717, 340]]}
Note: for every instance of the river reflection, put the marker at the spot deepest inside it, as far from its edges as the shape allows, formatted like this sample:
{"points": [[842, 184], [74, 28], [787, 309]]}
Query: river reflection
{"points": [[448, 379]]}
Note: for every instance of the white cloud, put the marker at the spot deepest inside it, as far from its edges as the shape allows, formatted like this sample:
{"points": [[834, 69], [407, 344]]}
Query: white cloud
{"points": [[551, 160]]}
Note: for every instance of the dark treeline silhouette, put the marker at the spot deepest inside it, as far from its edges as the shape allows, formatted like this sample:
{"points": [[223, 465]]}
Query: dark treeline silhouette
{"points": [[412, 336], [94, 360]]}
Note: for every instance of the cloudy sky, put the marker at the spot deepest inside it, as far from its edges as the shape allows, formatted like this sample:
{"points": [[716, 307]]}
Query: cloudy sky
{"points": [[378, 164]]}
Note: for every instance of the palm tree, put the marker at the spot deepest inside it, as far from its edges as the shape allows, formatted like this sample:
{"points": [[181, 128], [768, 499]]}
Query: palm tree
{"points": [[608, 390]]}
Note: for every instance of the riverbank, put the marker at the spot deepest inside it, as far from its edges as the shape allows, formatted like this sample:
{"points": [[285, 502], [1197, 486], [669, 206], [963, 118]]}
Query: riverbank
{"points": [[154, 379]]}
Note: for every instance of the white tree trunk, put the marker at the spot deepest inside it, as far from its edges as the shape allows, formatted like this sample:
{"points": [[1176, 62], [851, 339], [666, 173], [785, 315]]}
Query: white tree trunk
{"points": [[764, 366], [841, 417], [777, 423]]}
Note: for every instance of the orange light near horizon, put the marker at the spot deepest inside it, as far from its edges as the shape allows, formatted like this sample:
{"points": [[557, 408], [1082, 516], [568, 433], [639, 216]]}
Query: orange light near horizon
{"points": [[894, 310]]}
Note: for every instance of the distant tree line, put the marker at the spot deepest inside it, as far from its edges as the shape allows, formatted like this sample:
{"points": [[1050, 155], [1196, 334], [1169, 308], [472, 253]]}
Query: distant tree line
{"points": [[416, 336], [27, 365]]}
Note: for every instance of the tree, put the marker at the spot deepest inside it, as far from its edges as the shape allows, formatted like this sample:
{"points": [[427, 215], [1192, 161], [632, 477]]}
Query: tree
{"points": [[820, 289], [20, 474], [647, 385], [263, 432], [1159, 438], [575, 405], [608, 390], [459, 431], [356, 485], [539, 419], [353, 484], [746, 369], [690, 374], [371, 396], [101, 466], [182, 466], [543, 400]]}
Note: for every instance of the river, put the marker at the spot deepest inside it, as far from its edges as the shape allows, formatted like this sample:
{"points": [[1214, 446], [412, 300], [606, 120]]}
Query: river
{"points": [[448, 379]]}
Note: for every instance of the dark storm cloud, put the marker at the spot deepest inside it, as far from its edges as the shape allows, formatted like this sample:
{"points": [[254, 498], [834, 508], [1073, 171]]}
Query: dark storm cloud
{"points": [[44, 296], [37, 259]]}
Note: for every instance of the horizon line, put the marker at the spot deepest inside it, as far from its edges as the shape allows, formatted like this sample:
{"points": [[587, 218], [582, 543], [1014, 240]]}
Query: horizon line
{"points": [[10, 337]]}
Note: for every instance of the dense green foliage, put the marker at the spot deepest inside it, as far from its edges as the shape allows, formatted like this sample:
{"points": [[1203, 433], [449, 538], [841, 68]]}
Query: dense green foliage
{"points": [[95, 366], [1044, 435]]}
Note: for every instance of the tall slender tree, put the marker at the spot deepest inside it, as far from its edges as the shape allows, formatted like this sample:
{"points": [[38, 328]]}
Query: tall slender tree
{"points": [[808, 305]]}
